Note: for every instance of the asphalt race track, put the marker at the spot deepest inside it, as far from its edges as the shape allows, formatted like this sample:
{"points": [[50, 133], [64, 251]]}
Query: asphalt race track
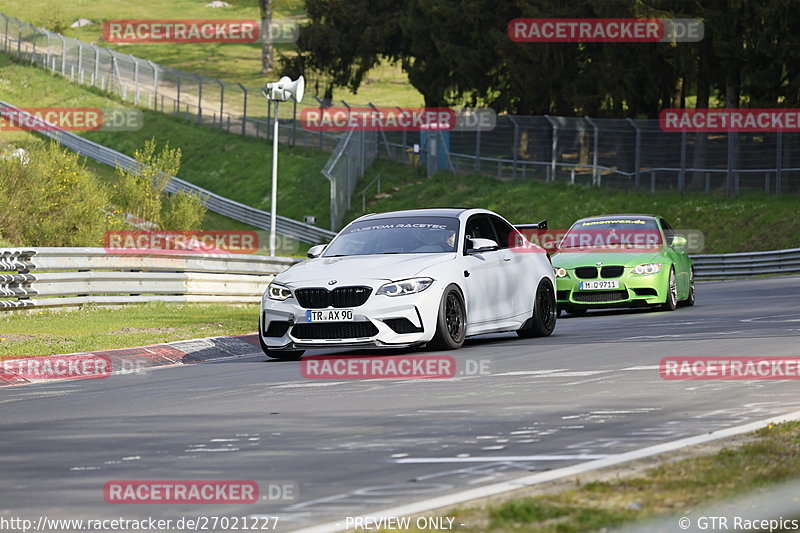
{"points": [[351, 447]]}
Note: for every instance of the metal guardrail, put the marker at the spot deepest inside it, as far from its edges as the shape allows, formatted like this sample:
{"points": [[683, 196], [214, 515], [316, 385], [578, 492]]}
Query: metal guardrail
{"points": [[287, 227], [742, 265], [67, 277]]}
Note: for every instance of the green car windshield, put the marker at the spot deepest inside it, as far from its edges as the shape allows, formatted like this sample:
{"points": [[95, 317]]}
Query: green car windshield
{"points": [[630, 232]]}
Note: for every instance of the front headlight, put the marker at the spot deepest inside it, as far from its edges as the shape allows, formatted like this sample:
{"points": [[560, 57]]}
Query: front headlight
{"points": [[648, 269], [560, 272], [278, 292], [406, 286]]}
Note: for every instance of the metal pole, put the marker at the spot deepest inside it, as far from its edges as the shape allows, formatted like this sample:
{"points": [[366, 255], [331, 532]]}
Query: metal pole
{"points": [[155, 83], [135, 81], [478, 151], [778, 162], [244, 116], [63, 55], [515, 148], [269, 122], [595, 171], [554, 148], [274, 199], [221, 101], [199, 98], [96, 63], [294, 122], [682, 173], [730, 164], [179, 93], [637, 155]]}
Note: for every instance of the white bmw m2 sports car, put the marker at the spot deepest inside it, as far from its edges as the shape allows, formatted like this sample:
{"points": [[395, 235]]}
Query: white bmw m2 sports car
{"points": [[405, 278]]}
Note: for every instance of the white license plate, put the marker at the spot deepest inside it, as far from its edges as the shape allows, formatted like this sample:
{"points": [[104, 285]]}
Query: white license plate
{"points": [[598, 285], [330, 315]]}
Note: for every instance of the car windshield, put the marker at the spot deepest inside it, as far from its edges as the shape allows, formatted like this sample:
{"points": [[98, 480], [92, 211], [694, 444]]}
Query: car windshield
{"points": [[629, 232], [401, 235]]}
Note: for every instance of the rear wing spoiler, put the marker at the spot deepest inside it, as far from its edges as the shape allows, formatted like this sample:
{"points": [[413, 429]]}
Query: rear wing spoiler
{"points": [[539, 225]]}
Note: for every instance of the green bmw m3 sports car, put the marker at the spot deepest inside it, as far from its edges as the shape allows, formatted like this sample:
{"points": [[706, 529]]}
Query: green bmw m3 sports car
{"points": [[622, 261]]}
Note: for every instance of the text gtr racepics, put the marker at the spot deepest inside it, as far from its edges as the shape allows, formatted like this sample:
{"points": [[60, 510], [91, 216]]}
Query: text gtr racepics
{"points": [[622, 261], [427, 276]]}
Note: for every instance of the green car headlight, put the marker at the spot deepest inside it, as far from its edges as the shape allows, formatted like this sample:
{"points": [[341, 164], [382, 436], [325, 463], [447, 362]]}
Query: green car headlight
{"points": [[647, 270], [560, 272], [278, 292]]}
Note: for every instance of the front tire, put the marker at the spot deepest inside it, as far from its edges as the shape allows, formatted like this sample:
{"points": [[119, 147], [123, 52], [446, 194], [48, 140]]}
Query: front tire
{"points": [[451, 322], [283, 355], [672, 292], [545, 312]]}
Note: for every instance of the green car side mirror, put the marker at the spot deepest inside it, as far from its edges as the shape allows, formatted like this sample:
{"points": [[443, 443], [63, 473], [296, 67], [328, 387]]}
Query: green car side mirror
{"points": [[679, 241]]}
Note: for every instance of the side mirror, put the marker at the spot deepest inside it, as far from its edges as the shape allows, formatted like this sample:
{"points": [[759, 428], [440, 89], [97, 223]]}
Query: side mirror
{"points": [[316, 251], [679, 241], [478, 246]]}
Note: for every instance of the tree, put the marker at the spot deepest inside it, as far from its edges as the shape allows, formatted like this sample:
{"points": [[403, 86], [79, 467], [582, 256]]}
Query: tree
{"points": [[265, 7]]}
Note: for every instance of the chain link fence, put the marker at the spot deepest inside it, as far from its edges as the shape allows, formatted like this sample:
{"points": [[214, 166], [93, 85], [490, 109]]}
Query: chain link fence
{"points": [[354, 154], [621, 153]]}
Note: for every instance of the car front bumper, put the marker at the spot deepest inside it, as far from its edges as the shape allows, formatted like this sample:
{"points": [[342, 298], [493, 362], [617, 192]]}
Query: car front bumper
{"points": [[634, 291], [382, 321]]}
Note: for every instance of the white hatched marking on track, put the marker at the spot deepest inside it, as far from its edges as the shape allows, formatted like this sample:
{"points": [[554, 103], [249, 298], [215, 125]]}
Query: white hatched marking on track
{"points": [[498, 458]]}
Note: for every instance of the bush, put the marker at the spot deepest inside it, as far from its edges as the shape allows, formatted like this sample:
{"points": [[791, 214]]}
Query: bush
{"points": [[50, 199], [141, 193]]}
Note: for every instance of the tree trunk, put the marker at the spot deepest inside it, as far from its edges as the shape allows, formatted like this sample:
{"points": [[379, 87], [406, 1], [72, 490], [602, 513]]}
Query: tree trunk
{"points": [[265, 6]]}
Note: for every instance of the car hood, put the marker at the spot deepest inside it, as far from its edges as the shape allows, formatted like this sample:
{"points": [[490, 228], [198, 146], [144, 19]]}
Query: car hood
{"points": [[576, 259], [388, 267]]}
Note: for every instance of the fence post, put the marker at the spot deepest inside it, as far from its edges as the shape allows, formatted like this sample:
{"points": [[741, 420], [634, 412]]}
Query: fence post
{"points": [[19, 39], [321, 107], [778, 162], [155, 82], [221, 101], [80, 61], [47, 61], [730, 164], [135, 81], [96, 64], [178, 105], [244, 115], [682, 173], [199, 98], [637, 154], [63, 55], [595, 171], [6, 35], [554, 149], [515, 148], [478, 151], [35, 37]]}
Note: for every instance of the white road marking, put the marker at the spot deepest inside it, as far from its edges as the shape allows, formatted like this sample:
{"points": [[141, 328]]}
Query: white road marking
{"points": [[558, 473], [499, 458]]}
